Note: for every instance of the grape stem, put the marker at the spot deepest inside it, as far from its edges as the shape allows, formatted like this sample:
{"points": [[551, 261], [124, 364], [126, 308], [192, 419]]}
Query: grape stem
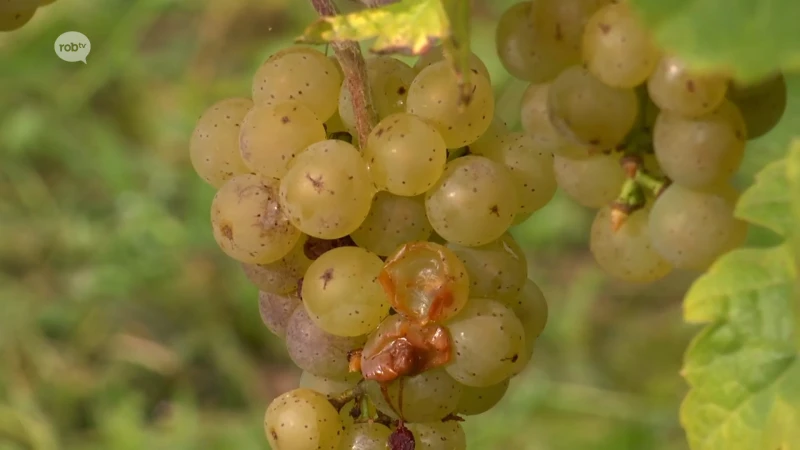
{"points": [[348, 53], [339, 400], [649, 182]]}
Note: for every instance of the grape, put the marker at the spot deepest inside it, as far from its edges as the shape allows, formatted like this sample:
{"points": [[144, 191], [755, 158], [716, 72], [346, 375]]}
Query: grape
{"points": [[762, 104], [590, 112], [426, 397], [434, 96], [392, 221], [690, 229], [328, 386], [335, 125], [673, 87], [617, 48], [564, 22], [248, 222], [530, 307], [490, 139], [316, 351], [627, 252], [698, 152], [389, 80], [327, 191], [214, 146], [420, 276], [299, 73], [302, 420], [531, 167], [478, 400], [535, 119], [276, 309], [342, 294], [593, 182], [271, 136], [436, 55], [497, 269], [740, 227], [281, 276], [438, 435], [405, 155], [15, 17], [488, 341], [474, 201], [365, 436], [524, 53]]}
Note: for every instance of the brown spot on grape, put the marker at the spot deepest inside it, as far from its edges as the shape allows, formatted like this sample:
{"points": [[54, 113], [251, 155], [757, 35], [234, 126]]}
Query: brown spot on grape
{"points": [[316, 182], [227, 231], [285, 120], [401, 90], [604, 27], [273, 434], [326, 277], [495, 210], [559, 33], [690, 86]]}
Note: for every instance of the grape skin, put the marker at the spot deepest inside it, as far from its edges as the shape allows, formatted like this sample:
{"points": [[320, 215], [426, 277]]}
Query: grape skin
{"points": [[535, 120], [406, 156], [673, 87], [248, 222], [478, 400], [436, 55], [272, 136], [392, 221], [342, 294], [592, 182], [589, 112], [762, 105], [276, 309], [365, 436], [281, 276], [702, 151], [316, 351], [15, 17], [302, 420], [214, 146], [474, 202], [530, 307], [434, 96], [426, 397], [299, 73], [497, 269], [328, 386], [626, 253], [564, 22], [446, 435], [327, 191]]}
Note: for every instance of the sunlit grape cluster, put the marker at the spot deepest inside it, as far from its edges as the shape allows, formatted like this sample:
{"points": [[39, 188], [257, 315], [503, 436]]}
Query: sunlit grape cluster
{"points": [[14, 14], [635, 132], [386, 266]]}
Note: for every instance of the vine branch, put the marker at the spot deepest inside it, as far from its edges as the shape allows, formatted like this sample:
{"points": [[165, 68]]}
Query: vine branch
{"points": [[348, 53]]}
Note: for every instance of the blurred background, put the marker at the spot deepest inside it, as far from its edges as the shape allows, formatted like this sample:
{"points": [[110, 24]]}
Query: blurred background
{"points": [[122, 326]]}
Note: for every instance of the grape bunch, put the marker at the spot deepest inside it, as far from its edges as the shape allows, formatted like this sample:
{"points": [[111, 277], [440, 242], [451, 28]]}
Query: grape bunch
{"points": [[386, 266], [636, 133], [14, 14]]}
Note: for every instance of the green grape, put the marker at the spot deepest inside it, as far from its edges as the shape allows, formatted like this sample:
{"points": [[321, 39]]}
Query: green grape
{"points": [[281, 276], [276, 309], [299, 73], [474, 201], [563, 22], [593, 182], [406, 156], [327, 191], [497, 269], [425, 397], [478, 400], [535, 120], [699, 152], [272, 136], [446, 435], [626, 253], [214, 146], [328, 386], [761, 104], [365, 436], [248, 222], [302, 420], [434, 96], [617, 48], [490, 139], [531, 167], [436, 55], [488, 342], [15, 17], [589, 112], [392, 221], [673, 87], [389, 80], [690, 229], [418, 276], [316, 351], [342, 294], [530, 307]]}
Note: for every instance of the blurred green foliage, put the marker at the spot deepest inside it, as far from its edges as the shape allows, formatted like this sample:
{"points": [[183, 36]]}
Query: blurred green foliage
{"points": [[123, 327]]}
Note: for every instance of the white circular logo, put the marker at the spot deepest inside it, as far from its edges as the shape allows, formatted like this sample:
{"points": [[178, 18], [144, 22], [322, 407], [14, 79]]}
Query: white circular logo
{"points": [[73, 46]]}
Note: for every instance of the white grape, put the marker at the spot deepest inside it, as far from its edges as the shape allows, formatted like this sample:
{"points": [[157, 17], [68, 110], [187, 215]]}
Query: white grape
{"points": [[478, 400], [446, 435], [276, 309], [392, 221], [214, 146], [365, 436], [593, 182], [497, 269], [425, 397], [281, 276], [674, 87], [328, 386], [436, 55], [535, 120], [302, 420]]}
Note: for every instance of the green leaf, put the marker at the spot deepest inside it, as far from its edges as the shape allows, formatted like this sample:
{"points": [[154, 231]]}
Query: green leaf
{"points": [[749, 38], [743, 368], [767, 202]]}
